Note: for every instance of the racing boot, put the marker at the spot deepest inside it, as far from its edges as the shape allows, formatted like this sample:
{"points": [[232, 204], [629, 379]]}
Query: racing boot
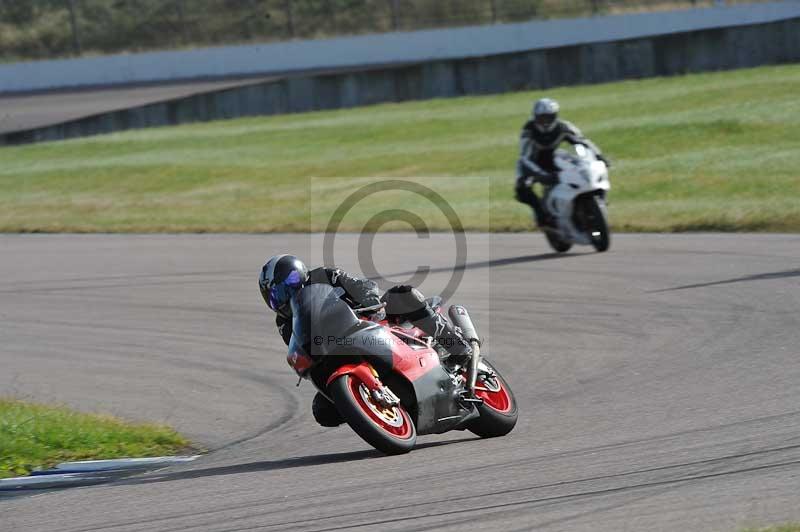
{"points": [[541, 215], [447, 336], [544, 220], [325, 412]]}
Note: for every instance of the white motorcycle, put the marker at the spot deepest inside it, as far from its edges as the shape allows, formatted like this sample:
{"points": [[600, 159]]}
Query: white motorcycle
{"points": [[578, 201]]}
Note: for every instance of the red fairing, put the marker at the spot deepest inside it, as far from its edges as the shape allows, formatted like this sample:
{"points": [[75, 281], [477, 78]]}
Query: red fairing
{"points": [[363, 371], [299, 362], [413, 363], [415, 366]]}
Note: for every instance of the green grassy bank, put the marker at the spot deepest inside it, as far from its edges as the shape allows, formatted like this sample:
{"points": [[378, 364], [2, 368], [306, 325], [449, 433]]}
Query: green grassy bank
{"points": [[714, 151], [791, 527], [34, 435]]}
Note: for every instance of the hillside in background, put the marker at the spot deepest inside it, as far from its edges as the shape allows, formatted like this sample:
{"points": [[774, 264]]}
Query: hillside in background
{"points": [[43, 29]]}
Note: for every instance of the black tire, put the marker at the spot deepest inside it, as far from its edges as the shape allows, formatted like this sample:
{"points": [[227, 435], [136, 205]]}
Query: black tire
{"points": [[597, 222], [325, 412], [495, 422], [556, 243], [343, 391]]}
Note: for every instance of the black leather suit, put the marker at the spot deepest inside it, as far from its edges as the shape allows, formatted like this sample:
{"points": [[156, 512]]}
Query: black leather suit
{"points": [[402, 303], [358, 293]]}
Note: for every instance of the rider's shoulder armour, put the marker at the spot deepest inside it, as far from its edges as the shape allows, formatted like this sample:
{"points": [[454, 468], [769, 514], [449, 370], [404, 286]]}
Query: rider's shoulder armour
{"points": [[318, 276]]}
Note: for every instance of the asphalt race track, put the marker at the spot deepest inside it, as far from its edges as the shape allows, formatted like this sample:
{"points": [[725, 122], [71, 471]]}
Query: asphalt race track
{"points": [[657, 384]]}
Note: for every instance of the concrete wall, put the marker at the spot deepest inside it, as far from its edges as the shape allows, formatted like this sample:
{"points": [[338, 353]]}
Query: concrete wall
{"points": [[706, 50], [371, 50]]}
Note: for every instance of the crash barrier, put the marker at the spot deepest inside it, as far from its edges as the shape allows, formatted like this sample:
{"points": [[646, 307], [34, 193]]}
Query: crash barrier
{"points": [[664, 55], [376, 50], [109, 27]]}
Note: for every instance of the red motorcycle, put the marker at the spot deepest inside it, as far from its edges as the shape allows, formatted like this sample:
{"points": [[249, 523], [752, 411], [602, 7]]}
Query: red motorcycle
{"points": [[387, 380]]}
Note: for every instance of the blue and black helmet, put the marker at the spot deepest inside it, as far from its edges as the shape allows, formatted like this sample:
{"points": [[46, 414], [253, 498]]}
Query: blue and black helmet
{"points": [[280, 278]]}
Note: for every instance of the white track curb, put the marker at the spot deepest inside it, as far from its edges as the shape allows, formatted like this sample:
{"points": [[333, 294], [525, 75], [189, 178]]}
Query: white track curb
{"points": [[88, 472], [90, 466]]}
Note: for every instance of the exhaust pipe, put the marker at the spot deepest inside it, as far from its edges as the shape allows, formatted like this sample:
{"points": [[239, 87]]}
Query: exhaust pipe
{"points": [[460, 318]]}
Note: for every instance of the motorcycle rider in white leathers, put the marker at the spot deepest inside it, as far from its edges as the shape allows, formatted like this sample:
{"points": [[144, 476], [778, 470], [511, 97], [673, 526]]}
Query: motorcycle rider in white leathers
{"points": [[540, 137]]}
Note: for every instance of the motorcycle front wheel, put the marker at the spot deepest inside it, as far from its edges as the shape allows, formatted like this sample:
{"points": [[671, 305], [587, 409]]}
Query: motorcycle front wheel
{"points": [[390, 430], [498, 412], [597, 222]]}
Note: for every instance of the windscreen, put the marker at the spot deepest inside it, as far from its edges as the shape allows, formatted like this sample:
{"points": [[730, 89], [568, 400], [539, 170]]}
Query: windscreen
{"points": [[321, 319]]}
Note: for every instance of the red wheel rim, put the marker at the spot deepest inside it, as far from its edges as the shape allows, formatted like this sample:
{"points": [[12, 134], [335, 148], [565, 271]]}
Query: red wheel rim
{"points": [[499, 399], [402, 427]]}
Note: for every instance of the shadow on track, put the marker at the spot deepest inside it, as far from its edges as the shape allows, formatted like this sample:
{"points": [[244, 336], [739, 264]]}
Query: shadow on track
{"points": [[758, 277], [492, 263], [271, 465]]}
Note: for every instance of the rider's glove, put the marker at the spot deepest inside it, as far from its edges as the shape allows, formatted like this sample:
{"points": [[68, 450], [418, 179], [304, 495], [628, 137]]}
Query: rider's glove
{"points": [[547, 178], [285, 330]]}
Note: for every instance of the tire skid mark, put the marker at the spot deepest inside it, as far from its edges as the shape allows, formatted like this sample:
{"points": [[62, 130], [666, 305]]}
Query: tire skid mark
{"points": [[533, 501], [291, 402], [707, 322], [512, 464], [721, 462], [37, 291], [291, 412], [59, 282], [162, 333], [627, 443], [472, 520], [205, 309], [532, 488]]}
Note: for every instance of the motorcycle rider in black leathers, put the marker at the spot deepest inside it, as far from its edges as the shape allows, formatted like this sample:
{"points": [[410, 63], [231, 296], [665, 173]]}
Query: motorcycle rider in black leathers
{"points": [[540, 137], [283, 276]]}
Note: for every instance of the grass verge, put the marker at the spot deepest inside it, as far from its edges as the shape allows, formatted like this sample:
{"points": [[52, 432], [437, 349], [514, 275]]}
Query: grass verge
{"points": [[789, 527], [717, 151], [34, 435]]}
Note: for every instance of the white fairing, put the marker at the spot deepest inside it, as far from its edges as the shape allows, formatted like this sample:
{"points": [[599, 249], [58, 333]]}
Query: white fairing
{"points": [[578, 175]]}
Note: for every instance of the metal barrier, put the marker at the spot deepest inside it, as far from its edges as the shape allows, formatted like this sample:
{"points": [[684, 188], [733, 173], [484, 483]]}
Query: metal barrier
{"points": [[375, 50], [44, 29], [677, 53]]}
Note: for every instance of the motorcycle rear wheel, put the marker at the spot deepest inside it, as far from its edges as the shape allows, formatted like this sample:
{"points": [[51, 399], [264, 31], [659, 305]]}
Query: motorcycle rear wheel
{"points": [[498, 412], [560, 246], [391, 431]]}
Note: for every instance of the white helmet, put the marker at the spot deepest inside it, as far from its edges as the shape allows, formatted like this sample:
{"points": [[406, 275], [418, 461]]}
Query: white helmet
{"points": [[545, 114]]}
